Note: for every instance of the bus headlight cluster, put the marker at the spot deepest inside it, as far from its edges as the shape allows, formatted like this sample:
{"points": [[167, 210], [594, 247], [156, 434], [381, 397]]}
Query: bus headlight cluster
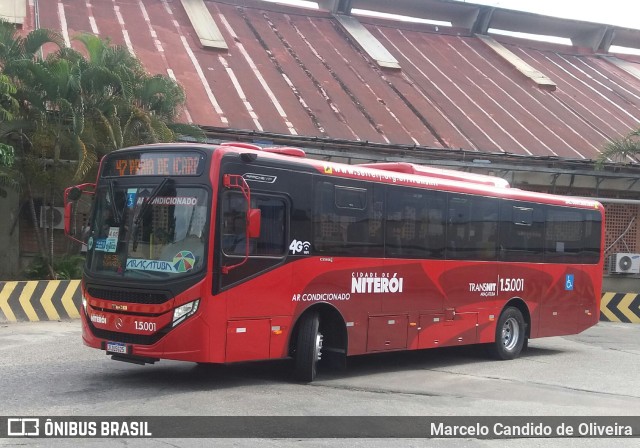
{"points": [[84, 302], [185, 311]]}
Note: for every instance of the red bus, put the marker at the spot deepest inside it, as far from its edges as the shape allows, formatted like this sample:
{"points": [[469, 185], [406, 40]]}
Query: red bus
{"points": [[227, 253]]}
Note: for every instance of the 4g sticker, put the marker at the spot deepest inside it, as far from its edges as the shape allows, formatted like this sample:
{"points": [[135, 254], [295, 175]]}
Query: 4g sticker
{"points": [[299, 247]]}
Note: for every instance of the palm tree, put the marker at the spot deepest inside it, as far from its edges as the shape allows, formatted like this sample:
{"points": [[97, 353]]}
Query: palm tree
{"points": [[14, 49], [123, 105], [8, 107], [626, 149], [80, 108], [8, 102]]}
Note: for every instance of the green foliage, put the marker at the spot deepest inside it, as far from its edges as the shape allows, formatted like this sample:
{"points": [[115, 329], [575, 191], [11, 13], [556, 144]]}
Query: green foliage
{"points": [[66, 267], [8, 178], [7, 155], [72, 107], [8, 102], [80, 108], [621, 150]]}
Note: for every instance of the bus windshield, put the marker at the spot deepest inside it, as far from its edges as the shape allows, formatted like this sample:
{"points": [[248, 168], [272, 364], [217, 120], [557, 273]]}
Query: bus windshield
{"points": [[155, 231]]}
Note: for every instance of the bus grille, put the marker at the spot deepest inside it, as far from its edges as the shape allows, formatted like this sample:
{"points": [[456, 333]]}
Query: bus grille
{"points": [[139, 339], [147, 298]]}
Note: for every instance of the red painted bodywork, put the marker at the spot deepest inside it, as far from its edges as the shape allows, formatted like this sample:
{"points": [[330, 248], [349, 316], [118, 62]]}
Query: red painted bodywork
{"points": [[432, 303]]}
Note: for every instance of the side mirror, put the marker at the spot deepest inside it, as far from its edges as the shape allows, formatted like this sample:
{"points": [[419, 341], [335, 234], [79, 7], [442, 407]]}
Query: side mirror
{"points": [[254, 218], [73, 194]]}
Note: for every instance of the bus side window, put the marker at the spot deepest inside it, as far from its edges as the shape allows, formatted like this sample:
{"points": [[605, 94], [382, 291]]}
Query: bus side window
{"points": [[458, 227], [347, 219], [521, 232], [564, 235], [234, 224], [414, 225], [273, 225]]}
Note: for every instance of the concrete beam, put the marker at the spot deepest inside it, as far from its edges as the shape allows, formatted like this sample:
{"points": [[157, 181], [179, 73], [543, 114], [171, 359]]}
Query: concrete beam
{"points": [[329, 5], [204, 25], [483, 20], [607, 40], [13, 11], [590, 38]]}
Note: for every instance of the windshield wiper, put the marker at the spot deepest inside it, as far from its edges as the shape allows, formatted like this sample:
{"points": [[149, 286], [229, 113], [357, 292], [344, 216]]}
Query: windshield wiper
{"points": [[112, 199], [144, 208]]}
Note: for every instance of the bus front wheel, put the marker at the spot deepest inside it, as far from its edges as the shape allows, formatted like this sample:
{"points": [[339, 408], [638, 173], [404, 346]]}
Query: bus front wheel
{"points": [[308, 348], [510, 335]]}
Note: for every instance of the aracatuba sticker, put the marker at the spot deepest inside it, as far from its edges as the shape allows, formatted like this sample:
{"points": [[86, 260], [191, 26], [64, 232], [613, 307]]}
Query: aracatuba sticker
{"points": [[182, 262]]}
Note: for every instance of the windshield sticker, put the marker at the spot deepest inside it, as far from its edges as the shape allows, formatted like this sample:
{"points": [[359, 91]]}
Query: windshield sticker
{"points": [[168, 200], [111, 245], [131, 197], [141, 264], [106, 244], [182, 262], [90, 243]]}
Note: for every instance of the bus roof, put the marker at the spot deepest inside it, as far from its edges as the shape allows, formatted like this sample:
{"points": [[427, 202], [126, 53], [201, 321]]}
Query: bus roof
{"points": [[407, 174], [440, 173]]}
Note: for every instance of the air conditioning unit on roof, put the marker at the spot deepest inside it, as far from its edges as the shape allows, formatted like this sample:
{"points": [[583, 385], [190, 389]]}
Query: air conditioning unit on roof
{"points": [[52, 217], [624, 263]]}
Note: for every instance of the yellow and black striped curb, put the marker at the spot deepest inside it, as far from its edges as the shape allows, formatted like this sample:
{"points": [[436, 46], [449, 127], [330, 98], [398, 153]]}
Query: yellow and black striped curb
{"points": [[620, 307], [60, 299], [39, 300]]}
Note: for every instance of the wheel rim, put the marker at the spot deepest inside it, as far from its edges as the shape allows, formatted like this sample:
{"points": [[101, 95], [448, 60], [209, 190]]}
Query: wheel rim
{"points": [[510, 334], [318, 348]]}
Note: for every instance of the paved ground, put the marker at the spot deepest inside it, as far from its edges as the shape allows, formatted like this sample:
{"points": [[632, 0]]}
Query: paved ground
{"points": [[45, 370]]}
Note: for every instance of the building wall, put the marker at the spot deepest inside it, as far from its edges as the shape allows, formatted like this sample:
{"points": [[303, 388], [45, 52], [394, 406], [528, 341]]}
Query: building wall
{"points": [[621, 283], [9, 236]]}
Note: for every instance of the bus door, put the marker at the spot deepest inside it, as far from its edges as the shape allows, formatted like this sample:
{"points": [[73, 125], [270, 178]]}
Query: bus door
{"points": [[414, 229], [572, 240], [470, 280], [257, 276]]}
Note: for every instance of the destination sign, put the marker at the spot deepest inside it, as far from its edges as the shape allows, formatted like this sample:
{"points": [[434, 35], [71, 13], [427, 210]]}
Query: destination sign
{"points": [[156, 163]]}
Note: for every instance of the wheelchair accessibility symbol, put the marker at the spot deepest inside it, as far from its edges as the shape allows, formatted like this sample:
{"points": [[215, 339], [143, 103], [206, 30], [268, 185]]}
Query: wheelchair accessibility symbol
{"points": [[568, 282]]}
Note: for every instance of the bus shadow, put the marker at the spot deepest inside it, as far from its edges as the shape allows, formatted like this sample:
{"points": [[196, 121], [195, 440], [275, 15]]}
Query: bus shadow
{"points": [[178, 376], [439, 358]]}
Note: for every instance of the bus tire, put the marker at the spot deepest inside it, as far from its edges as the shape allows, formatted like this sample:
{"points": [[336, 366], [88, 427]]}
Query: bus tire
{"points": [[308, 348], [510, 335]]}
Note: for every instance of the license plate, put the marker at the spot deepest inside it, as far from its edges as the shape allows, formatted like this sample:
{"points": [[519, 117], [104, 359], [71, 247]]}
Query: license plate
{"points": [[116, 347]]}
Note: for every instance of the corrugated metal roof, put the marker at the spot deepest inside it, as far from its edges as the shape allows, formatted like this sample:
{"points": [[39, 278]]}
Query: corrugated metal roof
{"points": [[295, 71]]}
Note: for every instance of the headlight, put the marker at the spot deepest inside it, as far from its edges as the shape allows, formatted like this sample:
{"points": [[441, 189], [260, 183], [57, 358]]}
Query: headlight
{"points": [[184, 311], [84, 302]]}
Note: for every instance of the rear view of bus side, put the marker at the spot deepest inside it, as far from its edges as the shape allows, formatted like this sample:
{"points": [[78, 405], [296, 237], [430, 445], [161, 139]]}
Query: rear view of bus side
{"points": [[318, 261]]}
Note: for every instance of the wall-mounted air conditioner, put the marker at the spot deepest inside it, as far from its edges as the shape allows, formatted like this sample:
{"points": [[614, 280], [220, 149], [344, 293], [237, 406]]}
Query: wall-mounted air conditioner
{"points": [[624, 263], [52, 217]]}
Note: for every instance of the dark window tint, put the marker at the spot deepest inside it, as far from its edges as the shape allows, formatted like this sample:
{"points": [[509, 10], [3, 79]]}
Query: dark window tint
{"points": [[521, 232], [592, 237], [351, 198], [472, 227], [272, 239], [415, 224], [348, 219], [572, 236]]}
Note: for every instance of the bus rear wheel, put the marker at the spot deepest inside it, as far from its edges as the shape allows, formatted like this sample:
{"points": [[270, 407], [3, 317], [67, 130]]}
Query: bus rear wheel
{"points": [[308, 348], [510, 335]]}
